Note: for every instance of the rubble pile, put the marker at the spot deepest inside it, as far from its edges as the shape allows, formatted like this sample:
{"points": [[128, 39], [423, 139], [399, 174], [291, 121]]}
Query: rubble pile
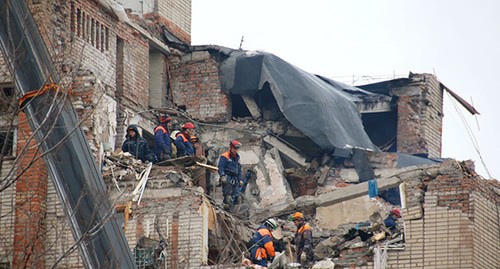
{"points": [[348, 225]]}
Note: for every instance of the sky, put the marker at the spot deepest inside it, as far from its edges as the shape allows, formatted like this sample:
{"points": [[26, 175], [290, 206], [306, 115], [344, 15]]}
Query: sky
{"points": [[354, 41]]}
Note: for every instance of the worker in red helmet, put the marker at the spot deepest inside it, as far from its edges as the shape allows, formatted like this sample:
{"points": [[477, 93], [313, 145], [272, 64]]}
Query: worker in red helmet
{"points": [[162, 145], [303, 240], [391, 220], [230, 174], [183, 140]]}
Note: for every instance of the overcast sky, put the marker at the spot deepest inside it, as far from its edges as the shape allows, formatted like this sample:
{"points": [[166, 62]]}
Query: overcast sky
{"points": [[457, 40]]}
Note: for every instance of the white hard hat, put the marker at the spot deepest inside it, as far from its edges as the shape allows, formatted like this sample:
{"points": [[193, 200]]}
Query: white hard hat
{"points": [[271, 223]]}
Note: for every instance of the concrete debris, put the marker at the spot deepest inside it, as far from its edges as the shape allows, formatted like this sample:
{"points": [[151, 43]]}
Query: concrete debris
{"points": [[347, 224]]}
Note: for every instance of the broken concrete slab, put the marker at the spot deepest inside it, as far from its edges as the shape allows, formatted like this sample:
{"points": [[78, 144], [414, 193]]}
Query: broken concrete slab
{"points": [[325, 173], [249, 157], [286, 150], [374, 106], [349, 175], [329, 198], [252, 106], [274, 189], [354, 210]]}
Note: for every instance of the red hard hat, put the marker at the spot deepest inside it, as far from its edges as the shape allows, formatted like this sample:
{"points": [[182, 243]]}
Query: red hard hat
{"points": [[396, 212], [165, 119], [235, 144], [188, 125]]}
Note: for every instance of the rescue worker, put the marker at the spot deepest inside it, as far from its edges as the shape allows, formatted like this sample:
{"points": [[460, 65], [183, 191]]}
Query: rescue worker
{"points": [[162, 146], [137, 145], [303, 240], [183, 140], [262, 249], [391, 220], [230, 173], [174, 130]]}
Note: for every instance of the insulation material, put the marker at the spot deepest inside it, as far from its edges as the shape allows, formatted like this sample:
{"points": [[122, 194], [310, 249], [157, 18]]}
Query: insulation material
{"points": [[105, 123]]}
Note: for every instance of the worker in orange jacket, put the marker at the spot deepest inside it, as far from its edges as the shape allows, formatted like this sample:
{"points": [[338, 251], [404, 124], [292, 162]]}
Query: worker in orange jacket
{"points": [[303, 240], [262, 249]]}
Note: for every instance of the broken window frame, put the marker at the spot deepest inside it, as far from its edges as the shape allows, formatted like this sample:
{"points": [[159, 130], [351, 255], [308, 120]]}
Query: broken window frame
{"points": [[7, 96], [11, 146]]}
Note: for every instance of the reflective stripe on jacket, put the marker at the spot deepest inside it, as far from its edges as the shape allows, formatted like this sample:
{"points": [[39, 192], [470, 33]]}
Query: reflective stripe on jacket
{"points": [[162, 142], [263, 248], [303, 238], [230, 165]]}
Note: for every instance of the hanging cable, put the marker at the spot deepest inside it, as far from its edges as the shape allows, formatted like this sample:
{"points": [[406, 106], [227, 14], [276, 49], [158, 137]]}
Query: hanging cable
{"points": [[470, 133]]}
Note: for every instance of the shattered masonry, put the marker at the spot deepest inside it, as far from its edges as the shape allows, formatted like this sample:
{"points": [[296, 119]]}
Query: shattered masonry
{"points": [[124, 68]]}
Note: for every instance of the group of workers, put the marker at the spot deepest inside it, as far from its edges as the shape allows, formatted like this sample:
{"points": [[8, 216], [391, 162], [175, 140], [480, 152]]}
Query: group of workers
{"points": [[163, 137], [262, 249], [184, 144]]}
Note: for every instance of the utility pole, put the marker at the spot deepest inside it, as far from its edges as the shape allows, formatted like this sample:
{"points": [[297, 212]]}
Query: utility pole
{"points": [[241, 42]]}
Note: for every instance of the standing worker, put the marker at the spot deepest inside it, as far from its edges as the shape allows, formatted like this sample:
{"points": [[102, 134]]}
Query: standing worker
{"points": [[183, 140], [174, 129], [136, 145], [230, 173], [262, 249], [303, 240], [162, 147]]}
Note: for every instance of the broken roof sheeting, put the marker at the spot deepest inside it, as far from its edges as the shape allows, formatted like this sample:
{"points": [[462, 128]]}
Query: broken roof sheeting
{"points": [[324, 113]]}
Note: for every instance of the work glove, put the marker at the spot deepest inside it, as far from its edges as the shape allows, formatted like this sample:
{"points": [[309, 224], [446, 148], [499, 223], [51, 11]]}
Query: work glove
{"points": [[223, 179], [303, 257]]}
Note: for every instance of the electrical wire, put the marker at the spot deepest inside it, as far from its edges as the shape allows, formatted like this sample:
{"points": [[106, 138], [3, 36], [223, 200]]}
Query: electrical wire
{"points": [[470, 133]]}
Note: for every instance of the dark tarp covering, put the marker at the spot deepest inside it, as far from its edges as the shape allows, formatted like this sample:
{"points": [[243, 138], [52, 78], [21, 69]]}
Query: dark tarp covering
{"points": [[326, 114]]}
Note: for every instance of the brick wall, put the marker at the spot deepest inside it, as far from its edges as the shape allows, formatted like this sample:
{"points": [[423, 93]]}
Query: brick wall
{"points": [[7, 203], [420, 112], [30, 203], [409, 136], [455, 226], [181, 224], [177, 17], [95, 68], [432, 113], [196, 85], [135, 73], [486, 232]]}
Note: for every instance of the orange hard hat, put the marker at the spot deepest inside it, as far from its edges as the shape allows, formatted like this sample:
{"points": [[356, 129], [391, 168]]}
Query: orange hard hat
{"points": [[235, 144], [188, 125], [297, 215]]}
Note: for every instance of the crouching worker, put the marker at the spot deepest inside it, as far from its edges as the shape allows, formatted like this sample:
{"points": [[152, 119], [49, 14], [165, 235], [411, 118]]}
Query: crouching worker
{"points": [[262, 249], [137, 145], [230, 174]]}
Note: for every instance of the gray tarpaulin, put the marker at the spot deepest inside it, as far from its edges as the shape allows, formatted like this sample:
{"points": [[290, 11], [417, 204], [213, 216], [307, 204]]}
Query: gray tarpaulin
{"points": [[322, 110]]}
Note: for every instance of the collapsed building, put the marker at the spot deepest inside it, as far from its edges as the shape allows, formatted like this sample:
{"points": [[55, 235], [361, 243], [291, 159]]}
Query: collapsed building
{"points": [[313, 144]]}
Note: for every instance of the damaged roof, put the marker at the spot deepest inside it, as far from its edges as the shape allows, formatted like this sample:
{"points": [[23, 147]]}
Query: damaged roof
{"points": [[322, 109]]}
